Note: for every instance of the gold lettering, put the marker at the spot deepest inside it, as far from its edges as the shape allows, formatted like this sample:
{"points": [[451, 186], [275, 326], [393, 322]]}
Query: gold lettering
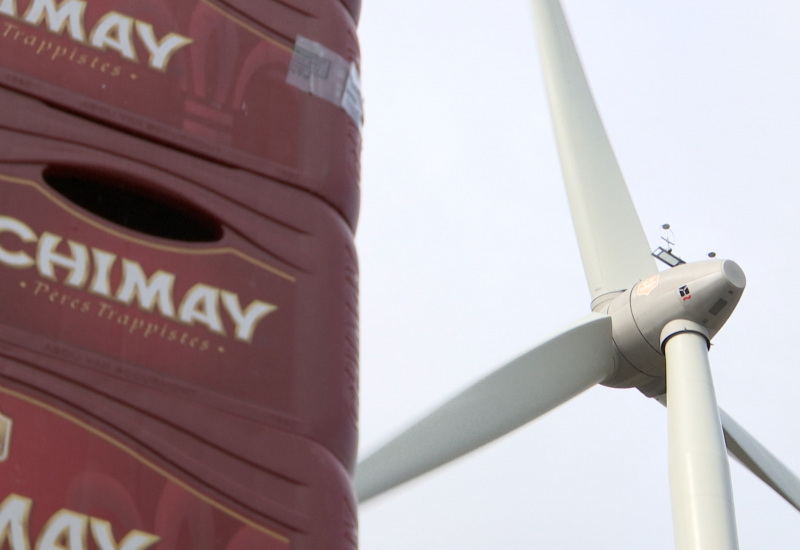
{"points": [[66, 530], [115, 31], [200, 304], [8, 28], [47, 258], [161, 51], [5, 437], [40, 288], [60, 51], [68, 13], [101, 282], [245, 320], [135, 540], [157, 287], [9, 7], [106, 310], [25, 234], [208, 305], [14, 513], [136, 325], [44, 46], [152, 328]]}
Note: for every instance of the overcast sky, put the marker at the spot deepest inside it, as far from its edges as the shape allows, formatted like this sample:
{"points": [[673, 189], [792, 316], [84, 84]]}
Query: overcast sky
{"points": [[468, 256]]}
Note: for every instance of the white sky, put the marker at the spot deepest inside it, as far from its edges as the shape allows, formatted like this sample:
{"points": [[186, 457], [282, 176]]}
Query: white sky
{"points": [[468, 256]]}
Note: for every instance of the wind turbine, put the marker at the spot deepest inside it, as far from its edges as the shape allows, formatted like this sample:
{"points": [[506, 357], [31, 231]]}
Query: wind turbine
{"points": [[604, 287]]}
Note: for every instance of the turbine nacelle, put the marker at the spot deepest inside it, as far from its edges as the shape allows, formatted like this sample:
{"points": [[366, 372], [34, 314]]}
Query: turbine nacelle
{"points": [[703, 292]]}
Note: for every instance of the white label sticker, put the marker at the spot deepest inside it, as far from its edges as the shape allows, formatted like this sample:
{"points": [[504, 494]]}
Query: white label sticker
{"points": [[325, 74]]}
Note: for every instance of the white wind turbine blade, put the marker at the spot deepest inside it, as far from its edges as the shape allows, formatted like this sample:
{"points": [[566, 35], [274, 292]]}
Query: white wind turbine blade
{"points": [[613, 246], [747, 450], [700, 480], [550, 374]]}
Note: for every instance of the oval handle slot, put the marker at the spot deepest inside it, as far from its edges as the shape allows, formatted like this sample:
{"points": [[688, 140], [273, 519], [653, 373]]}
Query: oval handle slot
{"points": [[134, 205]]}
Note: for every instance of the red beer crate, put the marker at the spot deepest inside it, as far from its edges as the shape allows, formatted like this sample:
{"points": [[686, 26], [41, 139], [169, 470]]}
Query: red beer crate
{"points": [[178, 282]]}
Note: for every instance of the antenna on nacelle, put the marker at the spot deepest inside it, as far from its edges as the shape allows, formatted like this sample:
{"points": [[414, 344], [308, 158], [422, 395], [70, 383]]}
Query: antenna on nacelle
{"points": [[667, 236], [665, 254]]}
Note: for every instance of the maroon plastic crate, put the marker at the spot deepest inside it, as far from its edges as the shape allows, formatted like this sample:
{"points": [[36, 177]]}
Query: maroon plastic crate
{"points": [[178, 282]]}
